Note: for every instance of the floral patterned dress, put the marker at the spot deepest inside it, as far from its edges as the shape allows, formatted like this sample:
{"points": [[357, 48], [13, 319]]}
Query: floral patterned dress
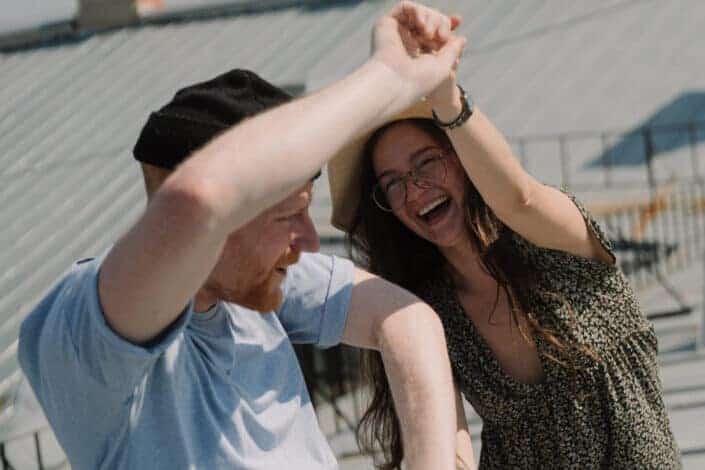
{"points": [[608, 415]]}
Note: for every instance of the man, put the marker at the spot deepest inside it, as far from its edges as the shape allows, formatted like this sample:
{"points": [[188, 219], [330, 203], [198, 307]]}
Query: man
{"points": [[173, 349]]}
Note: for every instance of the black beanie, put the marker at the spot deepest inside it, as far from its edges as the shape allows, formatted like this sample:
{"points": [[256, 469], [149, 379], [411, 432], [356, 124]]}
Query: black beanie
{"points": [[200, 112]]}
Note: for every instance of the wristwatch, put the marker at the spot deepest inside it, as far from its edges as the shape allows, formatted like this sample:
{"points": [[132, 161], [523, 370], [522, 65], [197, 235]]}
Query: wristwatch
{"points": [[465, 112]]}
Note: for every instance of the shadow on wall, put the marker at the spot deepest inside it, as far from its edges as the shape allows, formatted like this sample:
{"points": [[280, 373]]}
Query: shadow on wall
{"points": [[678, 124]]}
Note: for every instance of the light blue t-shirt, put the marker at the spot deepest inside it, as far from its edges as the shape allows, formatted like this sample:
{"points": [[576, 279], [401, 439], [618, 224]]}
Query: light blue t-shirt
{"points": [[218, 390]]}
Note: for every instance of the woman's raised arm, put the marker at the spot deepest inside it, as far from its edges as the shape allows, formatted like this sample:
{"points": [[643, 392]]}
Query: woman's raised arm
{"points": [[541, 214]]}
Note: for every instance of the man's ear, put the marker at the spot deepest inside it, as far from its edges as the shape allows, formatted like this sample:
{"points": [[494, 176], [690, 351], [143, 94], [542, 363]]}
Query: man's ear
{"points": [[154, 177]]}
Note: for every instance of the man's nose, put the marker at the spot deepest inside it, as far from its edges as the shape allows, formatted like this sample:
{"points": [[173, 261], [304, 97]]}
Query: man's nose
{"points": [[305, 237]]}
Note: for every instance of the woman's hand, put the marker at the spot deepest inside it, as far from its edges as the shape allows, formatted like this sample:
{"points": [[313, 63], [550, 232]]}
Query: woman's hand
{"points": [[446, 95], [445, 98], [419, 45]]}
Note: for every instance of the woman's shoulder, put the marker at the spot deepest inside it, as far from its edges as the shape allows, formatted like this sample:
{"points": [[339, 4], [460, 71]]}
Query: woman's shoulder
{"points": [[557, 264], [436, 291]]}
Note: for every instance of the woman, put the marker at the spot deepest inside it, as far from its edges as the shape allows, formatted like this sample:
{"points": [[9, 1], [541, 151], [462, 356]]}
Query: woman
{"points": [[543, 330]]}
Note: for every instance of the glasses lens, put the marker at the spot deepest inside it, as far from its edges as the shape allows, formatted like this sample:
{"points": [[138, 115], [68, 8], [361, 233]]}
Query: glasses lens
{"points": [[396, 193], [391, 196], [380, 198], [432, 170]]}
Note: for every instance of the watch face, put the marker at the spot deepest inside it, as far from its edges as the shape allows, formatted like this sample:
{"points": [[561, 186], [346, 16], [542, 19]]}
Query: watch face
{"points": [[467, 101]]}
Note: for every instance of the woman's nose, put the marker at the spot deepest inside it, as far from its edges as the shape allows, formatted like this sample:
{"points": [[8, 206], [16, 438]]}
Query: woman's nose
{"points": [[413, 189]]}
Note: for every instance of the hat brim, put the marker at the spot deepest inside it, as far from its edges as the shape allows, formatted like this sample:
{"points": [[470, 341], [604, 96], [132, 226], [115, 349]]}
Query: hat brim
{"points": [[345, 168]]}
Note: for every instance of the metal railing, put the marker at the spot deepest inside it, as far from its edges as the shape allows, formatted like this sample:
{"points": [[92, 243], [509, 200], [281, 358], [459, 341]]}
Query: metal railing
{"points": [[615, 159], [659, 235]]}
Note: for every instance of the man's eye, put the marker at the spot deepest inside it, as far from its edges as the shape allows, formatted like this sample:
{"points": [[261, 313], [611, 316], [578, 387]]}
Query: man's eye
{"points": [[297, 215], [287, 218]]}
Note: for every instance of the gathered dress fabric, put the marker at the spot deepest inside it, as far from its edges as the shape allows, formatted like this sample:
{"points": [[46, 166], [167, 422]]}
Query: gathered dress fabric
{"points": [[600, 414]]}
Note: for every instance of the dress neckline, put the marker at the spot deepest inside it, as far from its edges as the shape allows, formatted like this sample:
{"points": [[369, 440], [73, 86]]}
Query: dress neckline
{"points": [[485, 349]]}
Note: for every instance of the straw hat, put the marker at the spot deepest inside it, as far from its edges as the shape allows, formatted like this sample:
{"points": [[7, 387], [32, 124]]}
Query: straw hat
{"points": [[344, 169]]}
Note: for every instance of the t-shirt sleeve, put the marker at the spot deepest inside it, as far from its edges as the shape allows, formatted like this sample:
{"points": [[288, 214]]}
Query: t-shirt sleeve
{"points": [[317, 295], [68, 352]]}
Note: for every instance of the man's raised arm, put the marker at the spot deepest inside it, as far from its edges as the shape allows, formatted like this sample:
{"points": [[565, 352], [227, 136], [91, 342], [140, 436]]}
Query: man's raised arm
{"points": [[155, 269]]}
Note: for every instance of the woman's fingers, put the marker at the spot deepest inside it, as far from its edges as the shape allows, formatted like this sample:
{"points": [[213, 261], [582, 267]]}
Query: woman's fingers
{"points": [[444, 31]]}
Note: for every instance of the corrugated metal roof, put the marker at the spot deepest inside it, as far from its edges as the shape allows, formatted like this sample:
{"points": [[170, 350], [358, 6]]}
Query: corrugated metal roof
{"points": [[540, 66]]}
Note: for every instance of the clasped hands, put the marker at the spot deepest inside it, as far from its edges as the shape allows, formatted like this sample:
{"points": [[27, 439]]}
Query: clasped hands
{"points": [[420, 45]]}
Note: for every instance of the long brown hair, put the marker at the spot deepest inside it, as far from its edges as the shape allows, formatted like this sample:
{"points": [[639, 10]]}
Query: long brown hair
{"points": [[378, 241]]}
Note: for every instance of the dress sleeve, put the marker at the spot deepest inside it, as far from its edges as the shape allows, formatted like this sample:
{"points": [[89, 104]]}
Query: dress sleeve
{"points": [[595, 228], [67, 350], [317, 295], [547, 258]]}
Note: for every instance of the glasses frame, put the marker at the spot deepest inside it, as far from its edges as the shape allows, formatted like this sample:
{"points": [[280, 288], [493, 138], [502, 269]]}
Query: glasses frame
{"points": [[414, 177]]}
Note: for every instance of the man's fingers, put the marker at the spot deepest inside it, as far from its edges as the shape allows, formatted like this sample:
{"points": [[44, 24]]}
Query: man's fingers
{"points": [[444, 31], [410, 42], [431, 24], [451, 52]]}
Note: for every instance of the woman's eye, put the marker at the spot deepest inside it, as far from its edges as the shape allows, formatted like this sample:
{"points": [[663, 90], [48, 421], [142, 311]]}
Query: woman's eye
{"points": [[427, 161], [392, 184]]}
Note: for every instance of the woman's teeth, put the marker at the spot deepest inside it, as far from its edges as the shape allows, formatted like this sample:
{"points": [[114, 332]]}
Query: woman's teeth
{"points": [[432, 205]]}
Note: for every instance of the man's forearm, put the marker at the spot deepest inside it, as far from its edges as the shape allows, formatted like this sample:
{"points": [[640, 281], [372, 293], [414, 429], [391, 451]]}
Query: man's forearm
{"points": [[254, 165], [168, 254], [416, 361], [236, 176]]}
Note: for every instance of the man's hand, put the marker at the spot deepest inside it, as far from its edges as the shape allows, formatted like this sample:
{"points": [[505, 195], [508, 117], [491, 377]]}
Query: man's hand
{"points": [[418, 44]]}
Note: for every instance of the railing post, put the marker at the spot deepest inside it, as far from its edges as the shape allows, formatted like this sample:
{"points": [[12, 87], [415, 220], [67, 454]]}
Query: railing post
{"points": [[3, 459], [700, 343], [607, 161], [39, 451], [693, 143], [649, 149]]}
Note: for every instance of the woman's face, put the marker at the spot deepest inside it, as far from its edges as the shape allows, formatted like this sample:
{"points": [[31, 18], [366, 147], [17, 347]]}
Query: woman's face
{"points": [[435, 210]]}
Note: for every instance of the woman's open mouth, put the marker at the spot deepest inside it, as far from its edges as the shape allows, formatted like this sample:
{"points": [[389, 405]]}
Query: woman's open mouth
{"points": [[435, 210]]}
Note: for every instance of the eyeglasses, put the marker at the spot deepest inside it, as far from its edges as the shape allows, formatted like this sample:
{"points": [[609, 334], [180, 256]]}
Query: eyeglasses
{"points": [[431, 169]]}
